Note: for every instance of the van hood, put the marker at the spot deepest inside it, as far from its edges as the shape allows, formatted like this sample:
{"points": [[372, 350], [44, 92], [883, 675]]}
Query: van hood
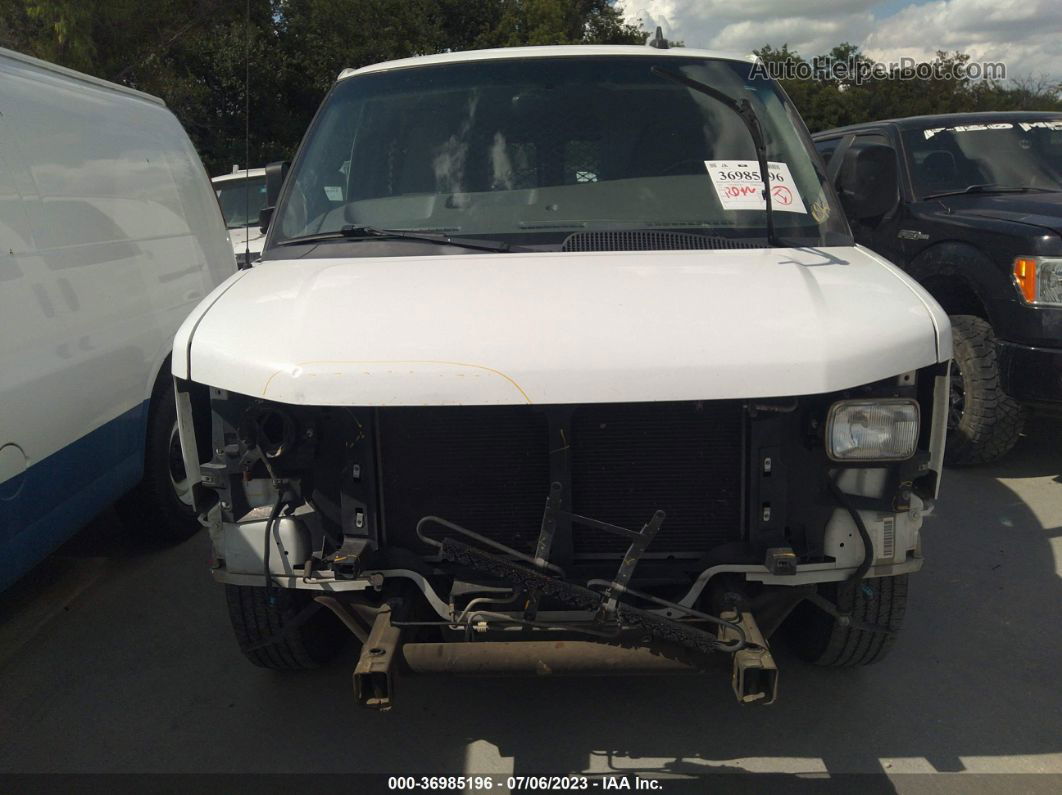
{"points": [[562, 327]]}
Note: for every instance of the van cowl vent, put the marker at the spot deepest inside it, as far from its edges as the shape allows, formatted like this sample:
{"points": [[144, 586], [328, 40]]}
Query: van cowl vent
{"points": [[649, 240]]}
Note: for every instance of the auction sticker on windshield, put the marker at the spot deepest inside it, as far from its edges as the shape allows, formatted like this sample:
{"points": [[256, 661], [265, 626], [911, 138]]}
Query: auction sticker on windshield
{"points": [[740, 187]]}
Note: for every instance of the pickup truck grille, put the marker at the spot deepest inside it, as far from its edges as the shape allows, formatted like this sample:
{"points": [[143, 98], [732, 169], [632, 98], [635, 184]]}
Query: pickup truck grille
{"points": [[488, 468]]}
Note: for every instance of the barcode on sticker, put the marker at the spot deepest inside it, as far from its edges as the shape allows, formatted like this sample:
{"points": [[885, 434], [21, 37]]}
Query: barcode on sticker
{"points": [[888, 537]]}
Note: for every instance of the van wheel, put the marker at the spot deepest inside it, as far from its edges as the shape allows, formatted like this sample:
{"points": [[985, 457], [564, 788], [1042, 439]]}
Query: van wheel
{"points": [[160, 507], [290, 634], [819, 638], [984, 423]]}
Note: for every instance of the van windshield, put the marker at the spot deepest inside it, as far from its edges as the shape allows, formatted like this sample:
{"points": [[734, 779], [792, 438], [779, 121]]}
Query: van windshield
{"points": [[981, 158], [536, 149], [241, 201]]}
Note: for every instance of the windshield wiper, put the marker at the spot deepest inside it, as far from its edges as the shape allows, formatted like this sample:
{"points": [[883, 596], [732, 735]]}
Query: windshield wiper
{"points": [[371, 232], [989, 187], [743, 108]]}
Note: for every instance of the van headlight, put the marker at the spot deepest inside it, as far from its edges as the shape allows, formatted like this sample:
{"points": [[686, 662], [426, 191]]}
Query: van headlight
{"points": [[872, 430]]}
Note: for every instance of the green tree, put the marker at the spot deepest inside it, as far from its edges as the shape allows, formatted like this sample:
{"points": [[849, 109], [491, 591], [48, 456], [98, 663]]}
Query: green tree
{"points": [[195, 54], [542, 22]]}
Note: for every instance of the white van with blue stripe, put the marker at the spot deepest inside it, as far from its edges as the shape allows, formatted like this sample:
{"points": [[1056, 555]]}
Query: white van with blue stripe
{"points": [[109, 235]]}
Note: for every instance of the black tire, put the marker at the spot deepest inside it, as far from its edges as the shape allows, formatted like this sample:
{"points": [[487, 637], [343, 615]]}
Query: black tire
{"points": [[159, 508], [984, 423], [819, 638], [260, 628]]}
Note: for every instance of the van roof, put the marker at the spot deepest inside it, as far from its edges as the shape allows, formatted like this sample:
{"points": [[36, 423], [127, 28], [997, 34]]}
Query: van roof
{"points": [[510, 53], [243, 173], [74, 75]]}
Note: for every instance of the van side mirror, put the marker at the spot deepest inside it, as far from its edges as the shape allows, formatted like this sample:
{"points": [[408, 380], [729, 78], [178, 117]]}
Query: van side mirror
{"points": [[868, 181], [276, 173]]}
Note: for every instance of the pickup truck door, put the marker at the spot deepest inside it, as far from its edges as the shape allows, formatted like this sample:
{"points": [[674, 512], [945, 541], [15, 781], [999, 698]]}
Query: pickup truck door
{"points": [[879, 231]]}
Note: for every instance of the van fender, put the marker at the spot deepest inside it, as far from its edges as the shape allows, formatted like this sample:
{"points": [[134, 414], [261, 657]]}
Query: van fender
{"points": [[182, 342]]}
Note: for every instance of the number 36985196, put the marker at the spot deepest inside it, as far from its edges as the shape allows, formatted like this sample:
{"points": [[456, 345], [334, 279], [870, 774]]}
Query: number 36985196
{"points": [[743, 176]]}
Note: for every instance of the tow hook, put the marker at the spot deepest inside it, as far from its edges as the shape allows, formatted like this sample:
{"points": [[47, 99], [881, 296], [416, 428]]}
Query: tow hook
{"points": [[374, 672], [755, 675]]}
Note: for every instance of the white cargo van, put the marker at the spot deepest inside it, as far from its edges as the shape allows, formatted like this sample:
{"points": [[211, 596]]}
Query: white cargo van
{"points": [[242, 196], [109, 235], [562, 359]]}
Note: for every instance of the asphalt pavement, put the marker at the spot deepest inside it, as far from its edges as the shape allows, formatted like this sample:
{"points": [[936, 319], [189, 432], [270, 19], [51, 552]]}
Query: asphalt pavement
{"points": [[119, 658]]}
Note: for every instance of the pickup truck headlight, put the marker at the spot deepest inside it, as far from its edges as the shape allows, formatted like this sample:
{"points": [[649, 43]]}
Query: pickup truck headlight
{"points": [[1039, 280], [885, 429]]}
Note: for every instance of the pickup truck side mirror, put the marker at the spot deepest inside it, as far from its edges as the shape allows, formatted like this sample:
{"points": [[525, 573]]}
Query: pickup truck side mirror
{"points": [[276, 173], [867, 181]]}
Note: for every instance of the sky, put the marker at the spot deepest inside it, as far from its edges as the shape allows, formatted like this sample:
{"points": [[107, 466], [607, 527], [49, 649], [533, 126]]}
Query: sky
{"points": [[1023, 34]]}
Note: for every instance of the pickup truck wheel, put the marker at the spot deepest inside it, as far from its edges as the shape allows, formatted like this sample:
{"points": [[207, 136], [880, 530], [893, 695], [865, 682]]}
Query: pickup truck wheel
{"points": [[819, 638], [290, 634], [984, 422], [160, 508]]}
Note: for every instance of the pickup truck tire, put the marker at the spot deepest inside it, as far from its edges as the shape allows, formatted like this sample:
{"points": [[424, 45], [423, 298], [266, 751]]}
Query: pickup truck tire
{"points": [[817, 637], [290, 634], [159, 508], [984, 423]]}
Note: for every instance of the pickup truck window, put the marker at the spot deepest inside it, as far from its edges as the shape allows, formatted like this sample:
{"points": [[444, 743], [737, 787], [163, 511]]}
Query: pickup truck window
{"points": [[1006, 156], [827, 148], [536, 149]]}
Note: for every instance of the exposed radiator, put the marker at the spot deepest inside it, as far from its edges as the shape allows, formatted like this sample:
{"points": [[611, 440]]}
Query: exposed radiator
{"points": [[488, 468]]}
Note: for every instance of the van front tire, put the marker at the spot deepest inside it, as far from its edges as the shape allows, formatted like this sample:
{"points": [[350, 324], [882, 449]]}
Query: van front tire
{"points": [[819, 638], [160, 509], [984, 422], [284, 631]]}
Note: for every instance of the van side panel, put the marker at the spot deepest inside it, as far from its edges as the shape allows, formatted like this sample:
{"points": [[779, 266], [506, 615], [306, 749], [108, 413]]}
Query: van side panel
{"points": [[209, 238], [57, 495], [109, 235]]}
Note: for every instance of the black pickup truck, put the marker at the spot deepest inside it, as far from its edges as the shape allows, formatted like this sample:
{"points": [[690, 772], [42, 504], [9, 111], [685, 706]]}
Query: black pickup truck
{"points": [[971, 206]]}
